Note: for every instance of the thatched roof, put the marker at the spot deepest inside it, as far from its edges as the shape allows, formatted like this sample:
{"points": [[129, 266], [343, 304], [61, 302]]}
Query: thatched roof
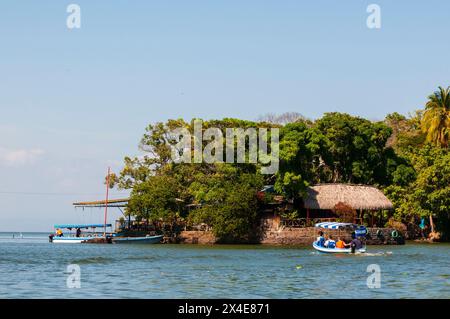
{"points": [[327, 196]]}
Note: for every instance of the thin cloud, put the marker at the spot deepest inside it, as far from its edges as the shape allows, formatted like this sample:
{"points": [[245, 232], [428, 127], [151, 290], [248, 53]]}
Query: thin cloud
{"points": [[19, 157]]}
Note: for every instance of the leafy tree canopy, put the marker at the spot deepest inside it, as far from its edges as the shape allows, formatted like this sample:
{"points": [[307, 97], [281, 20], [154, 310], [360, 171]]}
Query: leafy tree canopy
{"points": [[408, 157]]}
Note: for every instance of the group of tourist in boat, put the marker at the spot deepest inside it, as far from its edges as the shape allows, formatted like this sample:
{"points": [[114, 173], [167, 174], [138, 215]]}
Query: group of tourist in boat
{"points": [[60, 233], [328, 241]]}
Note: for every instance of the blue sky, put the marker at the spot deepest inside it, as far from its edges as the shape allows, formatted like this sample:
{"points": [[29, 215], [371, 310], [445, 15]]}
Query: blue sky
{"points": [[73, 102]]}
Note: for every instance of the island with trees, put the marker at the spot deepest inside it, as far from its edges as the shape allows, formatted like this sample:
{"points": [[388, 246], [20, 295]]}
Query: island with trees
{"points": [[405, 158]]}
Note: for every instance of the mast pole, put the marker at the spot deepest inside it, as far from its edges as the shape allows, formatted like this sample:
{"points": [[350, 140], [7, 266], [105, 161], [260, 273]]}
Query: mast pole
{"points": [[106, 201]]}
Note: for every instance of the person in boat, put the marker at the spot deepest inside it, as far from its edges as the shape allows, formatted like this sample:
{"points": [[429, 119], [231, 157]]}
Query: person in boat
{"points": [[356, 243], [320, 239], [341, 244], [330, 243], [78, 234], [59, 233]]}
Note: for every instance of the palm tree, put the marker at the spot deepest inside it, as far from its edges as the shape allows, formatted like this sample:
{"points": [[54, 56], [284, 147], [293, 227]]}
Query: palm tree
{"points": [[436, 118]]}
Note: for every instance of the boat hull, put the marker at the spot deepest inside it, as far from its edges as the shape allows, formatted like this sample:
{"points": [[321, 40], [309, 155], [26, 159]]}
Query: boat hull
{"points": [[337, 250], [71, 240], [138, 240]]}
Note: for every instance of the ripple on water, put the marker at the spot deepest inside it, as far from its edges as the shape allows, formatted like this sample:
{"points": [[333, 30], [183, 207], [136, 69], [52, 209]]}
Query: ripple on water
{"points": [[92, 260], [170, 271]]}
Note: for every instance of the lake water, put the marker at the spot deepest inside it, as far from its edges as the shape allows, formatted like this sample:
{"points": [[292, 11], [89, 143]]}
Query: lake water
{"points": [[30, 267]]}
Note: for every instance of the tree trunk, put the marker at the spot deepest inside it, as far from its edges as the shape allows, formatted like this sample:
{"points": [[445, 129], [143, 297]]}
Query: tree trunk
{"points": [[431, 223]]}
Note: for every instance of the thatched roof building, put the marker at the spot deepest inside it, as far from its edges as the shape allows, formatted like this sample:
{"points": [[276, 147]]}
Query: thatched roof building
{"points": [[358, 197]]}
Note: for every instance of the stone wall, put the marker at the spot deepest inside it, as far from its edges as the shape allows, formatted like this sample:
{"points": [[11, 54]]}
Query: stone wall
{"points": [[298, 236], [294, 236], [196, 237], [305, 236]]}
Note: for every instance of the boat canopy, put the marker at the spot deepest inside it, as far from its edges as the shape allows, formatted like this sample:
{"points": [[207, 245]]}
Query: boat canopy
{"points": [[70, 226], [333, 225], [360, 230]]}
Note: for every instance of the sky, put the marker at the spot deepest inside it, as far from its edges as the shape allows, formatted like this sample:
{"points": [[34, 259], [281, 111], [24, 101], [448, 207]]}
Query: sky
{"points": [[75, 101]]}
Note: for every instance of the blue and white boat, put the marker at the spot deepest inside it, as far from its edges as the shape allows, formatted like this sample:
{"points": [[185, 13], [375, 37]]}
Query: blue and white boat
{"points": [[358, 231], [78, 233], [337, 250]]}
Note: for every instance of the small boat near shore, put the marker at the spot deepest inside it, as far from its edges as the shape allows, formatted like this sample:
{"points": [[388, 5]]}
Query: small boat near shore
{"points": [[358, 231], [79, 234], [86, 234], [337, 250]]}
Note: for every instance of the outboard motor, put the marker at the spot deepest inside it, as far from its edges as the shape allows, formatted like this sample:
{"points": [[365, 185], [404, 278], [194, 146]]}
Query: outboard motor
{"points": [[50, 238]]}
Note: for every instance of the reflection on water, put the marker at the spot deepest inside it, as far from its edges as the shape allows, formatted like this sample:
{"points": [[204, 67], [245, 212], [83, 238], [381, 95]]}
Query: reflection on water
{"points": [[33, 268]]}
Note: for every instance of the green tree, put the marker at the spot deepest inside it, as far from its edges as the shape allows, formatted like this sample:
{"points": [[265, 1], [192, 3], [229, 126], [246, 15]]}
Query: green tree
{"points": [[436, 118], [155, 198], [337, 148], [227, 192], [304, 158], [406, 131], [427, 195], [229, 202], [358, 149], [155, 144]]}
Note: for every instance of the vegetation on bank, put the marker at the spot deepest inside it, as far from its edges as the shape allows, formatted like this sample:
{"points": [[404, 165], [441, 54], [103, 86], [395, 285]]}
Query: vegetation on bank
{"points": [[407, 157]]}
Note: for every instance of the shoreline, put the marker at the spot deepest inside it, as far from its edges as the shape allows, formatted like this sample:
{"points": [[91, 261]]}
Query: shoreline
{"points": [[206, 238]]}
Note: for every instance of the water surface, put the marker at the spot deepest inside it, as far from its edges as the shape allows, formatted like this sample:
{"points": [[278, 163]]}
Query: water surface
{"points": [[30, 267]]}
